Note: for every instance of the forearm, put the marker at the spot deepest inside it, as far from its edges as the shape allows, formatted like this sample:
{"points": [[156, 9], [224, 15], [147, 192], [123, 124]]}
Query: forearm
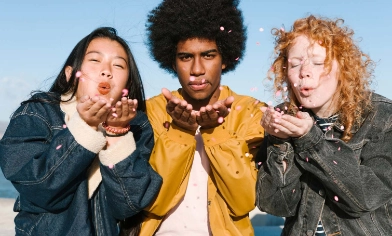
{"points": [[278, 189]]}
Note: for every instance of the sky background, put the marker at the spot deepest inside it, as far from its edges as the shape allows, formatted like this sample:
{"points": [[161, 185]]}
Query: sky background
{"points": [[36, 36]]}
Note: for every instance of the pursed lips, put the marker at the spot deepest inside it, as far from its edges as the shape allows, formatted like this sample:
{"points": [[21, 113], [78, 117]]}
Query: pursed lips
{"points": [[104, 88]]}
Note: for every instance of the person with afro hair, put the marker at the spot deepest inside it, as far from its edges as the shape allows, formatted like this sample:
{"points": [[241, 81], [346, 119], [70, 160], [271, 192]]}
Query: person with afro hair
{"points": [[206, 136]]}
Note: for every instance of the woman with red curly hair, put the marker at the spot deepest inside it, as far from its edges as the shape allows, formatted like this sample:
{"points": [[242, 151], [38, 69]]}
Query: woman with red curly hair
{"points": [[327, 158]]}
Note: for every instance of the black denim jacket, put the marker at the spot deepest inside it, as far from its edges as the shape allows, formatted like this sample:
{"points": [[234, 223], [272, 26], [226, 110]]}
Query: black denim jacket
{"points": [[347, 185]]}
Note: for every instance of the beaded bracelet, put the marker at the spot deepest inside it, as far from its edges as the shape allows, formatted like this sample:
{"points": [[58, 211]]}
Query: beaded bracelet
{"points": [[113, 132]]}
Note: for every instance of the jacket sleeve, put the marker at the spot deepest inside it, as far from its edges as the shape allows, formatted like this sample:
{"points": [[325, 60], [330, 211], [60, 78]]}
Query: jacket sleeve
{"points": [[171, 156], [45, 163], [131, 184], [358, 178], [231, 148], [278, 192]]}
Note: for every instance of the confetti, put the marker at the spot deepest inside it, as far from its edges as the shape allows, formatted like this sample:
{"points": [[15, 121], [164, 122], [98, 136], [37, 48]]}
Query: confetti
{"points": [[222, 28], [261, 29], [203, 80], [285, 89], [111, 166], [166, 124], [281, 29], [295, 84], [229, 31], [237, 58], [192, 78], [229, 109], [293, 190], [238, 107], [335, 162], [64, 126], [338, 148], [342, 127], [257, 43], [259, 163], [58, 147], [220, 120], [307, 159], [78, 74], [247, 154], [285, 108], [336, 198], [114, 114], [125, 92], [278, 93]]}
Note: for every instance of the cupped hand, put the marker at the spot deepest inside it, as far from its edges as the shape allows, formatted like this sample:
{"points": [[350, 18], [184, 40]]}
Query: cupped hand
{"points": [[268, 121], [93, 110], [213, 115], [122, 113], [180, 111], [295, 126], [285, 126]]}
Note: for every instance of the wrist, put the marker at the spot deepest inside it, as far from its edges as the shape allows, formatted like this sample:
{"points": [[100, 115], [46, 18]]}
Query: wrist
{"points": [[112, 131]]}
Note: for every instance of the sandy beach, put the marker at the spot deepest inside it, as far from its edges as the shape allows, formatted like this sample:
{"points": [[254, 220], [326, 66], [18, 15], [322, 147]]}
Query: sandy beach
{"points": [[7, 216]]}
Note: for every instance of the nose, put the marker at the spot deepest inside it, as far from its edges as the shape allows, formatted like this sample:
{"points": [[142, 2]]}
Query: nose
{"points": [[106, 72], [197, 67], [306, 71]]}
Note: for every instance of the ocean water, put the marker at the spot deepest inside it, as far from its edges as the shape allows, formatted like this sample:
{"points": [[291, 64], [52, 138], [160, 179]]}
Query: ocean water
{"points": [[7, 190]]}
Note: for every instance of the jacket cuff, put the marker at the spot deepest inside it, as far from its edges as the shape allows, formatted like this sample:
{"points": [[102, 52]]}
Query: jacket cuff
{"points": [[119, 151], [180, 135], [86, 136], [215, 135], [277, 141], [308, 140]]}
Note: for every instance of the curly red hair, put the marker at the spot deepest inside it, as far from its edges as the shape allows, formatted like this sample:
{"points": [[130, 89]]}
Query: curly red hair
{"points": [[352, 97]]}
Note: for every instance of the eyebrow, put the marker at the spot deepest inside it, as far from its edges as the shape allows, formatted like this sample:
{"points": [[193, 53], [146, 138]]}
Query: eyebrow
{"points": [[202, 53], [117, 57]]}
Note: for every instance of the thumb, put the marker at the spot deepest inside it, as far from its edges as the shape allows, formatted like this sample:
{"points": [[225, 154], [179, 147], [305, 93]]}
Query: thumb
{"points": [[84, 98], [303, 115], [166, 93], [228, 101]]}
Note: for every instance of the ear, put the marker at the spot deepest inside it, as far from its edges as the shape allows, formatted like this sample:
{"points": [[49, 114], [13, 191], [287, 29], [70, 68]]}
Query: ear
{"points": [[68, 71], [223, 66]]}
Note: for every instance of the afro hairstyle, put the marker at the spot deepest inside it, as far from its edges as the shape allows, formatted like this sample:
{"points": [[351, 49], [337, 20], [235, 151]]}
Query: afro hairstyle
{"points": [[178, 20]]}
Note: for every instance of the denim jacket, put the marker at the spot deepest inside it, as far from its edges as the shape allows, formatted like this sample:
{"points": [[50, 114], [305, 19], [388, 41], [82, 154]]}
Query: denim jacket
{"points": [[346, 185], [49, 167]]}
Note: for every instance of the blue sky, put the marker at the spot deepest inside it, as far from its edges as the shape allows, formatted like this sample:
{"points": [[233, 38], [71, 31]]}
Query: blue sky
{"points": [[37, 36]]}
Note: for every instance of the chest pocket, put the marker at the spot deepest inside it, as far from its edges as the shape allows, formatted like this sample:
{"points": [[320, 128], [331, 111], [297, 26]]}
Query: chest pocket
{"points": [[357, 148]]}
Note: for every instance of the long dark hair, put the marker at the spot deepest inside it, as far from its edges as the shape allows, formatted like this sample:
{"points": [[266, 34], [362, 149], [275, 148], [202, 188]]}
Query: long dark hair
{"points": [[131, 226], [63, 86]]}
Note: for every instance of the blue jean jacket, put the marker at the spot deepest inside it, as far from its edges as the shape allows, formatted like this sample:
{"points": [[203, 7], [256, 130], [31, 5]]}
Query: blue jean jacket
{"points": [[52, 182], [346, 185]]}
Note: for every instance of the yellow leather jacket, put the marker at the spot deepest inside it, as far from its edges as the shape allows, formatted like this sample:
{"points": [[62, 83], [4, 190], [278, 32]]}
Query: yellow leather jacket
{"points": [[231, 148]]}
